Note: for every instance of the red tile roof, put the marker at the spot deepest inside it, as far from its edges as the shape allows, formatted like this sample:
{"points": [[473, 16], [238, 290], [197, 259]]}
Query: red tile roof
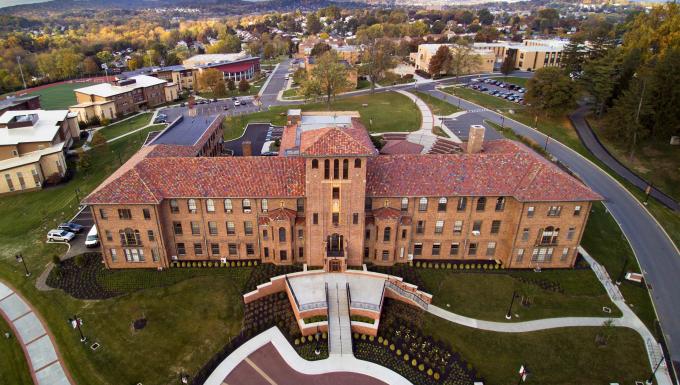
{"points": [[282, 214], [392, 147], [386, 213], [171, 150], [336, 141]]}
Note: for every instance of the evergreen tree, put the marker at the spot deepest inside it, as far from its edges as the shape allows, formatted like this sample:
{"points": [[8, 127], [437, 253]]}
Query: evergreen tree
{"points": [[550, 91]]}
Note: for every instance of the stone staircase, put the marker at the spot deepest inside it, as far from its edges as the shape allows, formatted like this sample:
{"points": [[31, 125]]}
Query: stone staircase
{"points": [[445, 146], [340, 331]]}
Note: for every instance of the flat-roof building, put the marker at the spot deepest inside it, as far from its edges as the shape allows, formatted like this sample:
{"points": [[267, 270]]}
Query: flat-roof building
{"points": [[421, 59], [529, 55]]}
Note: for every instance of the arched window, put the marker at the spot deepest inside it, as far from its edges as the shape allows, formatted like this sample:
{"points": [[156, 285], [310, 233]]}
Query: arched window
{"points": [[422, 204], [210, 205], [315, 163], [227, 205], [357, 163], [404, 204], [345, 169], [336, 169], [386, 234], [130, 237], [191, 203], [549, 235], [481, 203], [500, 204], [326, 169], [442, 204], [282, 234], [462, 203], [246, 206]]}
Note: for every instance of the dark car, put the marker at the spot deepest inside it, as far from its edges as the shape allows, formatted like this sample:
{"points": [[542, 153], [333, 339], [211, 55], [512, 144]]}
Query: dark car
{"points": [[70, 226]]}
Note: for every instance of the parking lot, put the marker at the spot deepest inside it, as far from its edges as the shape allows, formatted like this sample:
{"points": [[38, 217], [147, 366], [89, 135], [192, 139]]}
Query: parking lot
{"points": [[77, 244], [499, 88], [258, 134]]}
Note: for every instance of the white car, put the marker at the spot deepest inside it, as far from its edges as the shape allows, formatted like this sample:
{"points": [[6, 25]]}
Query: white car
{"points": [[237, 103], [60, 236], [92, 239]]}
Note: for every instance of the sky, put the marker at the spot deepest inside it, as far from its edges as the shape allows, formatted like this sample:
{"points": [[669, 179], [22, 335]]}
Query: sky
{"points": [[7, 3]]}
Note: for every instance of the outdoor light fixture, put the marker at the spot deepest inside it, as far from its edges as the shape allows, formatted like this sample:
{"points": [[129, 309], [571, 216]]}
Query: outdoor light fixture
{"points": [[20, 259]]}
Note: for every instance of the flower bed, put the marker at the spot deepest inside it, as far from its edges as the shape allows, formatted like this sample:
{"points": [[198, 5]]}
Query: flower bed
{"points": [[265, 271], [402, 347], [80, 281]]}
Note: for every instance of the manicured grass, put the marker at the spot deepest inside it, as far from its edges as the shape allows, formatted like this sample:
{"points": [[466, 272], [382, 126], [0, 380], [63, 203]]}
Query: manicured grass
{"points": [[438, 106], [654, 160], [59, 96], [437, 130], [556, 356], [120, 128], [522, 82], [234, 125], [291, 93], [487, 295], [13, 365], [363, 84]]}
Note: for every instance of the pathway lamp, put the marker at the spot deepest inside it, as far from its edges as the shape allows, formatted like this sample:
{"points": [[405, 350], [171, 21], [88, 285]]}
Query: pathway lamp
{"points": [[20, 259], [317, 336], [508, 315], [77, 323]]}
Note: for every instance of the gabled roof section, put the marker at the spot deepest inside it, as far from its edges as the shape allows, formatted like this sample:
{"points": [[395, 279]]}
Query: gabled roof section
{"points": [[282, 214], [386, 213], [335, 142]]}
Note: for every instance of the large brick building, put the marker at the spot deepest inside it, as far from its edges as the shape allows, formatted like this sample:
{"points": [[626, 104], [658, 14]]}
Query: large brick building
{"points": [[330, 200]]}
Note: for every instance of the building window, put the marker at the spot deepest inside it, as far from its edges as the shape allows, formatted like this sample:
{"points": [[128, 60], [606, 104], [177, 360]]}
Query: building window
{"points": [[387, 233], [195, 228], [264, 204], [212, 228], [477, 226], [301, 233], [439, 227], [457, 227], [570, 233], [315, 219], [124, 214], [250, 250], [404, 204], [368, 204], [151, 235], [554, 211], [472, 249], [420, 227], [565, 254], [436, 249], [283, 255], [441, 205], [495, 227], [336, 168], [519, 256], [462, 203], [500, 204], [577, 211], [315, 163], [336, 192], [146, 213], [326, 169], [109, 236], [345, 169], [231, 228], [418, 249], [248, 227], [549, 235], [542, 254], [265, 234], [103, 214], [357, 163], [491, 249], [454, 248], [422, 204], [155, 255], [367, 251], [191, 204], [246, 205], [210, 206], [282, 234], [266, 252], [301, 252], [215, 248], [227, 206], [10, 184], [403, 233], [177, 227], [335, 218], [530, 211], [198, 248], [129, 237], [481, 204], [300, 205], [355, 219], [180, 249], [233, 249]]}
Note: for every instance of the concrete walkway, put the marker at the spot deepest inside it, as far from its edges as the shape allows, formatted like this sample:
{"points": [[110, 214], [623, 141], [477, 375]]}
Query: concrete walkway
{"points": [[424, 136], [44, 361], [339, 328], [343, 363], [628, 320]]}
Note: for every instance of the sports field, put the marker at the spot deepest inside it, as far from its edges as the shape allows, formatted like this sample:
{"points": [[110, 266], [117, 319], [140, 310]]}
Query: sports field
{"points": [[59, 96]]}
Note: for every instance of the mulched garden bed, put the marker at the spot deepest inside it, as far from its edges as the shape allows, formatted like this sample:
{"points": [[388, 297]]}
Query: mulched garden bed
{"points": [[264, 271], [80, 281]]}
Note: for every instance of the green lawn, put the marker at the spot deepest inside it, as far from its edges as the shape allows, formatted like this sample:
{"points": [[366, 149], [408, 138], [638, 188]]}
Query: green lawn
{"points": [[438, 106], [522, 82], [487, 295], [363, 84], [59, 96], [291, 93], [120, 128], [13, 365], [558, 356], [234, 125]]}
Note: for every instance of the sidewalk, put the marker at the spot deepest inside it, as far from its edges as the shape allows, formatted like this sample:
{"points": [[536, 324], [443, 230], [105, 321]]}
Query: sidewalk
{"points": [[44, 360]]}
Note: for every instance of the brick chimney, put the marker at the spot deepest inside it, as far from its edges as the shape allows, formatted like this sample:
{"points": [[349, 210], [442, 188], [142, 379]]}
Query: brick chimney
{"points": [[475, 139], [247, 148], [294, 116]]}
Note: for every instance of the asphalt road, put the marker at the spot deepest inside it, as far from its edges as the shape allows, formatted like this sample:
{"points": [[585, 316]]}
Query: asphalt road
{"points": [[658, 256]]}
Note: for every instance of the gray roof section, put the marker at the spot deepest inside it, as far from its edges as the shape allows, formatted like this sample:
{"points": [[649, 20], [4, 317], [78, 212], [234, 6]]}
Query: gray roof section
{"points": [[186, 131]]}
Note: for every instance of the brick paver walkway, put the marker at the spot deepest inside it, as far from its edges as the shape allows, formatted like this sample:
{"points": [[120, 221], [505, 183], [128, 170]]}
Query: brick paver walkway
{"points": [[44, 361]]}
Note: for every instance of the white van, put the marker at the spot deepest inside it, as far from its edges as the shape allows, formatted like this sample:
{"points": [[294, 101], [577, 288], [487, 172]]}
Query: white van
{"points": [[92, 239]]}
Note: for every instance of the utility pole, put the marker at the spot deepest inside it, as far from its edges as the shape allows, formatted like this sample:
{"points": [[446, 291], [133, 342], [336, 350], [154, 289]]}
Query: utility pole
{"points": [[21, 70]]}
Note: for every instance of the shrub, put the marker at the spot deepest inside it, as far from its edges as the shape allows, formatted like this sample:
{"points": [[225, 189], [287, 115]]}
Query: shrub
{"points": [[398, 352], [436, 266], [324, 335], [79, 260], [56, 260], [467, 266], [254, 263], [183, 264], [250, 263], [417, 264], [414, 362], [385, 342], [371, 338], [436, 376], [380, 340], [406, 358], [210, 264], [392, 347], [356, 336], [310, 338], [363, 337], [448, 266], [297, 341], [421, 367], [455, 266], [430, 372]]}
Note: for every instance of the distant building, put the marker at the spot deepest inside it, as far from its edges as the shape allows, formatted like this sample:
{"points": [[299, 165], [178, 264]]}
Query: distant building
{"points": [[422, 58], [13, 103], [529, 55], [234, 66], [32, 146], [122, 97]]}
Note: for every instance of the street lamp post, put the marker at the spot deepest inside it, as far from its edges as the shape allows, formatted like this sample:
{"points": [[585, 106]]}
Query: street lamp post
{"points": [[623, 272], [20, 259], [502, 122], [76, 323], [523, 374], [508, 315], [545, 146], [650, 380], [317, 350], [648, 191], [184, 378]]}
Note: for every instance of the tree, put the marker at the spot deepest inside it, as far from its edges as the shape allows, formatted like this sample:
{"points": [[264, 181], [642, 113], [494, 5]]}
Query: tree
{"points": [[486, 35], [213, 80], [328, 77], [104, 56], [631, 115], [313, 24], [464, 60], [90, 65], [84, 161], [299, 76], [485, 17], [599, 79], [231, 85], [269, 50], [440, 62], [319, 49], [230, 44], [573, 57], [508, 65], [243, 85], [377, 59], [550, 91], [219, 90], [98, 140]]}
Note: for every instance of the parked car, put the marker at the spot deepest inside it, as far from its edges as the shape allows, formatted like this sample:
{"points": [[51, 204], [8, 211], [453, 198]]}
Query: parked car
{"points": [[92, 239], [237, 103], [226, 107], [234, 98], [70, 226], [60, 236], [182, 104]]}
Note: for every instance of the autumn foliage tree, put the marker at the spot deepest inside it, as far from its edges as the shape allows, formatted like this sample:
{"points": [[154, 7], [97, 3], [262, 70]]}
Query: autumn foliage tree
{"points": [[440, 62]]}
